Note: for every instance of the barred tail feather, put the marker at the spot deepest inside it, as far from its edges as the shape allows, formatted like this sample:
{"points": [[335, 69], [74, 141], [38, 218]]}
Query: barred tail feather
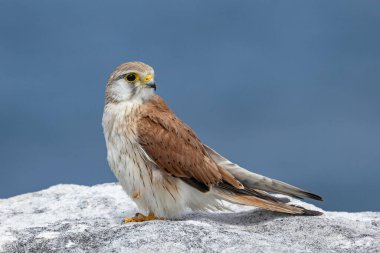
{"points": [[255, 181], [265, 204]]}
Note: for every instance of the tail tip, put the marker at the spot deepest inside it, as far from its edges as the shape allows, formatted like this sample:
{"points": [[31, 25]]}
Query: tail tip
{"points": [[308, 212], [314, 196]]}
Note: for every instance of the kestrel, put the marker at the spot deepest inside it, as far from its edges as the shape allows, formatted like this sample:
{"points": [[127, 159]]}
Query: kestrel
{"points": [[164, 167]]}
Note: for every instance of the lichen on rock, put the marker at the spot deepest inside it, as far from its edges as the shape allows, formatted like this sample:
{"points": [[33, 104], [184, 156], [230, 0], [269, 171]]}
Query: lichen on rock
{"points": [[72, 218]]}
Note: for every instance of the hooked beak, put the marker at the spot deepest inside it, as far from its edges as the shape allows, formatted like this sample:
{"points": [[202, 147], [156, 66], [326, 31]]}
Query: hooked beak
{"points": [[151, 85]]}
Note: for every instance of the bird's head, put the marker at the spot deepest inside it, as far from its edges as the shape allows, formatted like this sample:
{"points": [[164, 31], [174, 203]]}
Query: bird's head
{"points": [[131, 80]]}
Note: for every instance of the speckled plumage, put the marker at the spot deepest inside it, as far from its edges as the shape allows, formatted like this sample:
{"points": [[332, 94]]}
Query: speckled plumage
{"points": [[161, 163]]}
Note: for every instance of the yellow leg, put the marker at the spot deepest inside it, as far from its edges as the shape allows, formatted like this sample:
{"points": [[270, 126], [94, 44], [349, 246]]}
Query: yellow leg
{"points": [[141, 218]]}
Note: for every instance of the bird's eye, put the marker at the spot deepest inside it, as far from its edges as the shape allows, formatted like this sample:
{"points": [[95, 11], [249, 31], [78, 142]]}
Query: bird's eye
{"points": [[132, 77]]}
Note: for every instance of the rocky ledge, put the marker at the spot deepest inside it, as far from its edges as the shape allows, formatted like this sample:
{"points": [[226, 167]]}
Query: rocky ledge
{"points": [[73, 218]]}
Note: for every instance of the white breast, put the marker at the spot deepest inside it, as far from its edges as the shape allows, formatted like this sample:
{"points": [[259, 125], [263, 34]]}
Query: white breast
{"points": [[123, 150]]}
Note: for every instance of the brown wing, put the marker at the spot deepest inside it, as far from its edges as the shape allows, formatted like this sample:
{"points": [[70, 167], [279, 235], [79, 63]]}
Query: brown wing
{"points": [[175, 148]]}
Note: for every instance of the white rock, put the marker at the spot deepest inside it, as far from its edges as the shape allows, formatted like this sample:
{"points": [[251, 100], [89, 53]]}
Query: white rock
{"points": [[72, 218]]}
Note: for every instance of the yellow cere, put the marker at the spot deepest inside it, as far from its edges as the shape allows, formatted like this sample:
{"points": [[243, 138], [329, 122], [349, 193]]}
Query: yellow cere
{"points": [[148, 78]]}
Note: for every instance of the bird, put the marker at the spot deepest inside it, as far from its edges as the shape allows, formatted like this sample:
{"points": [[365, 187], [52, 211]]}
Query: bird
{"points": [[165, 168]]}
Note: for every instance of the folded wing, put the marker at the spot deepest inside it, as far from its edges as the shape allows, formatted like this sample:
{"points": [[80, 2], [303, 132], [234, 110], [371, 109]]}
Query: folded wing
{"points": [[175, 148]]}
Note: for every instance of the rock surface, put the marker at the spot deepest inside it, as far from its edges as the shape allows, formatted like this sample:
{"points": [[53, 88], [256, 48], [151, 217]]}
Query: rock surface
{"points": [[72, 218]]}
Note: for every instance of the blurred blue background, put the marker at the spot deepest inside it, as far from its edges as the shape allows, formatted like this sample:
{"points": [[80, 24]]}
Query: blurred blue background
{"points": [[289, 89]]}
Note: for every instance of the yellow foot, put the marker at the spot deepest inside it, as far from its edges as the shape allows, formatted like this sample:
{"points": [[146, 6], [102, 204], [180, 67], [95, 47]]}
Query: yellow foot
{"points": [[140, 218]]}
